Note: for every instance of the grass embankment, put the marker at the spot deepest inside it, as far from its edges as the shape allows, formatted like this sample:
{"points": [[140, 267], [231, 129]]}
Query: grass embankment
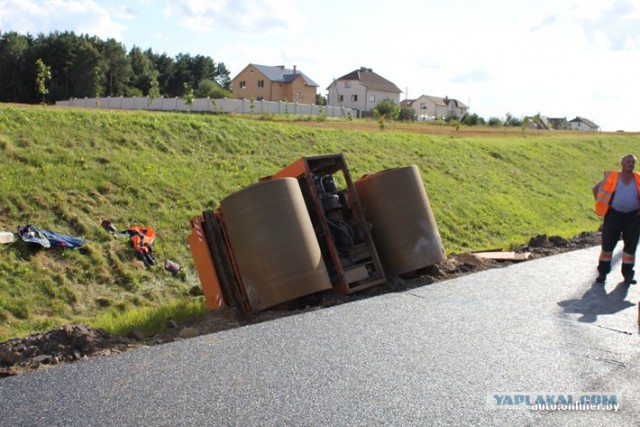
{"points": [[66, 170]]}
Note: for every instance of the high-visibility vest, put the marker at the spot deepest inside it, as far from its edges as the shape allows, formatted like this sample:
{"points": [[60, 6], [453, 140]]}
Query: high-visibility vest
{"points": [[141, 238], [608, 187]]}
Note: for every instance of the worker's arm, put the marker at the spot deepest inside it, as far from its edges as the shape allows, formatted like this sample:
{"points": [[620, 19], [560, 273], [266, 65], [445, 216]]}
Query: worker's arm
{"points": [[595, 190], [597, 186], [600, 183]]}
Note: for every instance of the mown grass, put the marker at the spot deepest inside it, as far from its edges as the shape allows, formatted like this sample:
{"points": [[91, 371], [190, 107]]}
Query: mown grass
{"points": [[66, 170]]}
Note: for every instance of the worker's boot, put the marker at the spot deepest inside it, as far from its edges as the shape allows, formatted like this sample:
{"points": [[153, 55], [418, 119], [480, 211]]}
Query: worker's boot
{"points": [[628, 273], [604, 268]]}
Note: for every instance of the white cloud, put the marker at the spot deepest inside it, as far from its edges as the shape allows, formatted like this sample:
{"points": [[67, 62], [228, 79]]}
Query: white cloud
{"points": [[615, 25], [241, 16], [548, 20], [30, 16], [125, 12], [475, 75]]}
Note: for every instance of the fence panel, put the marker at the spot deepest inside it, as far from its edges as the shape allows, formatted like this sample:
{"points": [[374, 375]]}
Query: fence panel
{"points": [[238, 106]]}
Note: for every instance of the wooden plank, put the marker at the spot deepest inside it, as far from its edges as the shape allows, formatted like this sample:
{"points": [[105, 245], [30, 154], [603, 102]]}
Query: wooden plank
{"points": [[504, 256], [487, 250], [356, 273]]}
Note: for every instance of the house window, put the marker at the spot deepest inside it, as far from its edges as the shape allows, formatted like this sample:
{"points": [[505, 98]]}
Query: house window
{"points": [[260, 83], [260, 98], [243, 84], [354, 98], [340, 98], [423, 106], [347, 85], [372, 98]]}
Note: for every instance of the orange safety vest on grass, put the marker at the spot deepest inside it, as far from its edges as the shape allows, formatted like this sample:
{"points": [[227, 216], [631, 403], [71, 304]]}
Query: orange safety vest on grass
{"points": [[142, 238], [608, 187]]}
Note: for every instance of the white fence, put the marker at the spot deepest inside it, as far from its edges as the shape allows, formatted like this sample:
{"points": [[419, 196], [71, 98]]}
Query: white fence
{"points": [[240, 106]]}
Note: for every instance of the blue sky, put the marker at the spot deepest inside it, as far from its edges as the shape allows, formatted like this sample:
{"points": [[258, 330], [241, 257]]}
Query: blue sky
{"points": [[559, 58]]}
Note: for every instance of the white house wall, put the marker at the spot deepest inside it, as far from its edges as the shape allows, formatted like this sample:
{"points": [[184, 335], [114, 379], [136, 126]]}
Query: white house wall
{"points": [[434, 110], [580, 126], [349, 88], [425, 114], [380, 96]]}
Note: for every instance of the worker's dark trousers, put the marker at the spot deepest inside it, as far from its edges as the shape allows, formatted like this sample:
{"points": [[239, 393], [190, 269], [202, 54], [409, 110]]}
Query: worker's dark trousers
{"points": [[618, 224]]}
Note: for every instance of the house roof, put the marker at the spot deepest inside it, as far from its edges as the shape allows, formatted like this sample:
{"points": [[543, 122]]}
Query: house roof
{"points": [[587, 122], [544, 123], [281, 74], [445, 101], [370, 80]]}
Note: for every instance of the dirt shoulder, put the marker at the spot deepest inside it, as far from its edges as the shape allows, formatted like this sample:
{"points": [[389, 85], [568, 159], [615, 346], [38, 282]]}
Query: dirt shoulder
{"points": [[72, 343]]}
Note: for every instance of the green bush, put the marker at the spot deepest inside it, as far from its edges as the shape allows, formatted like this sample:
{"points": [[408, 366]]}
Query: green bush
{"points": [[494, 122], [387, 109], [407, 114], [209, 89]]}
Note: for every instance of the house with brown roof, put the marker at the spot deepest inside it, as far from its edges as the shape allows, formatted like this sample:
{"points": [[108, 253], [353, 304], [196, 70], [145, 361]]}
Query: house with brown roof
{"points": [[274, 83], [429, 107], [580, 123], [362, 90]]}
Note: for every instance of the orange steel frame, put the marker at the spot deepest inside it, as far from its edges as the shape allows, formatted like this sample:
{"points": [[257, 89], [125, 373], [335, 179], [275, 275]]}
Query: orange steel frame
{"points": [[217, 269], [203, 260]]}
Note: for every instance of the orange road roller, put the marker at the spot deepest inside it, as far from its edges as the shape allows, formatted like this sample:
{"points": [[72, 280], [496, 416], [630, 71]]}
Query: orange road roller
{"points": [[310, 228]]}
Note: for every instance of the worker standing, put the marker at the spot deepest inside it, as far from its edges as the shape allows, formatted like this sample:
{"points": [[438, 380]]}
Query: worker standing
{"points": [[618, 201]]}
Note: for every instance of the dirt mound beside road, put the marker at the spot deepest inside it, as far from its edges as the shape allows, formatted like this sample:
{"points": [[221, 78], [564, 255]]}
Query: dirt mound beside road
{"points": [[65, 344], [72, 343]]}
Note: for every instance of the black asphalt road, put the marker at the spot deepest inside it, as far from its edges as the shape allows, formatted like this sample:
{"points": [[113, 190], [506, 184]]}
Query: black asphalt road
{"points": [[464, 352]]}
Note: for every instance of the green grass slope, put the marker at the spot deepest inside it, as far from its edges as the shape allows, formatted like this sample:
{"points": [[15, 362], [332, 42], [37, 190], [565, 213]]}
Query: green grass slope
{"points": [[66, 170]]}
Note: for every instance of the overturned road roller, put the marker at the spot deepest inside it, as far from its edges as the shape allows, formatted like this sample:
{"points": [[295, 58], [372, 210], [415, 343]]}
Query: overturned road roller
{"points": [[309, 228]]}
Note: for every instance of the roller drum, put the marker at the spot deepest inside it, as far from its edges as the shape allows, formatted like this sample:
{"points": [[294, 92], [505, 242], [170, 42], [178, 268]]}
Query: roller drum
{"points": [[273, 242], [404, 229]]}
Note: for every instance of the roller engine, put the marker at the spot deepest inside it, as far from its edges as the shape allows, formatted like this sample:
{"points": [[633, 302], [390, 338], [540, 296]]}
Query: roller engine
{"points": [[334, 204]]}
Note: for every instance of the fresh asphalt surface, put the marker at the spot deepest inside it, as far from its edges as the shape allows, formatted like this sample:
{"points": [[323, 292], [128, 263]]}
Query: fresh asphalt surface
{"points": [[434, 355]]}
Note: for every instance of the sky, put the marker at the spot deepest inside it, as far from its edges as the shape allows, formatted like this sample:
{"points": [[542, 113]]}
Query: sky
{"points": [[558, 58]]}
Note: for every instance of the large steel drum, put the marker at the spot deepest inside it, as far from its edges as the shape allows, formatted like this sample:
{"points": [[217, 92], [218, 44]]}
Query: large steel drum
{"points": [[403, 227], [273, 242]]}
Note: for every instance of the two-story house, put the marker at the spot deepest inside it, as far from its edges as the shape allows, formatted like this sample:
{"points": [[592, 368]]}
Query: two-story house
{"points": [[361, 90], [263, 82], [580, 123], [432, 107]]}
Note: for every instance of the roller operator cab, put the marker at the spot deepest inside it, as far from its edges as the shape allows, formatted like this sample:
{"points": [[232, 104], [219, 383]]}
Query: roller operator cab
{"points": [[310, 228]]}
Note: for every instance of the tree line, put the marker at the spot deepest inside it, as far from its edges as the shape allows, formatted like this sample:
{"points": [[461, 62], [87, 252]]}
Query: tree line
{"points": [[87, 66]]}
